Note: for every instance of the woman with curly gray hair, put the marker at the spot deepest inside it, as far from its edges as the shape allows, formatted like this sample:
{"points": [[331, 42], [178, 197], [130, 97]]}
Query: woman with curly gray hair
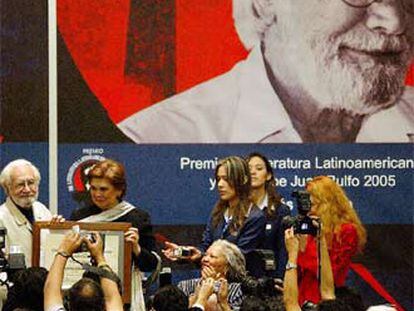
{"points": [[224, 263]]}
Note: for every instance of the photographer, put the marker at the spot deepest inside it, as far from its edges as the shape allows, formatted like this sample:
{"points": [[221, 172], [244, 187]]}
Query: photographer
{"points": [[86, 294], [342, 230], [291, 292]]}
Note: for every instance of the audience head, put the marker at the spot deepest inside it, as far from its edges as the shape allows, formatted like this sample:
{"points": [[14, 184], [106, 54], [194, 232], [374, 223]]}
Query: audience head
{"points": [[276, 303], [350, 297], [28, 288], [170, 298], [333, 305], [107, 183], [20, 180], [257, 302], [226, 259], [263, 287], [254, 303], [233, 178], [330, 203], [86, 295]]}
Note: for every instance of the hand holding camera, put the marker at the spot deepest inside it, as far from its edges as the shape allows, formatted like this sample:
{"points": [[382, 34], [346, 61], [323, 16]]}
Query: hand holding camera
{"points": [[182, 252], [94, 244], [292, 244], [302, 223], [70, 244], [176, 252]]}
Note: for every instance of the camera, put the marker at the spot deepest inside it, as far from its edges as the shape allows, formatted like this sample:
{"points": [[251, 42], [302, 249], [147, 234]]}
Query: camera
{"points": [[182, 252], [3, 260], [84, 247], [88, 235], [216, 286], [15, 260], [302, 223]]}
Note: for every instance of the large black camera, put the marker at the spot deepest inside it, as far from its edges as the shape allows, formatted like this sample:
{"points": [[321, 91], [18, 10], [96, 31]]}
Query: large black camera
{"points": [[14, 262], [302, 223]]}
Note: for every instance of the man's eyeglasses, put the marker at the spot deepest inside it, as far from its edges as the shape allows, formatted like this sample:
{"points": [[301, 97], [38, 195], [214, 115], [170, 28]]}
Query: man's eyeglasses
{"points": [[19, 186], [408, 4]]}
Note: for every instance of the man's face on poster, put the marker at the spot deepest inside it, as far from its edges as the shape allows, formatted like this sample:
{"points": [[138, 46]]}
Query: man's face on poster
{"points": [[344, 57]]}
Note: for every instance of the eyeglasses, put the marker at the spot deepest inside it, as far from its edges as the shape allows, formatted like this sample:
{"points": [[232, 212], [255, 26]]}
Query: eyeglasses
{"points": [[408, 4], [32, 184]]}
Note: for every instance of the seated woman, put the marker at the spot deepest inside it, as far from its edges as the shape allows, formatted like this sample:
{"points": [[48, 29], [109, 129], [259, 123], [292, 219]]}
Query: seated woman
{"points": [[107, 188], [225, 264], [265, 196], [234, 218], [342, 229]]}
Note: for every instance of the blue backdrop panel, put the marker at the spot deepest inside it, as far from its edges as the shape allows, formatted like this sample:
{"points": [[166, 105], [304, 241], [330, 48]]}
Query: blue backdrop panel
{"points": [[175, 183]]}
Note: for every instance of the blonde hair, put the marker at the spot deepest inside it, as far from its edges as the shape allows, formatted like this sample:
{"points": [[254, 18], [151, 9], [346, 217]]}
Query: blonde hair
{"points": [[334, 209]]}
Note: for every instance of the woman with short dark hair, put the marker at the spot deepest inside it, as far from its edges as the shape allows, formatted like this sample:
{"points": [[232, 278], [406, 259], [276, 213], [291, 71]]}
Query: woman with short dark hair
{"points": [[107, 187]]}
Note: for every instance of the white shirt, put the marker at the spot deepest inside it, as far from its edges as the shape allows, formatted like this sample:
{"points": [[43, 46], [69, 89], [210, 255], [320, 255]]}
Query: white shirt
{"points": [[241, 106]]}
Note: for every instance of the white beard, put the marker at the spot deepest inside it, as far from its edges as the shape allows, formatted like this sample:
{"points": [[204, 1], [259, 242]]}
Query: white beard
{"points": [[338, 82], [25, 202]]}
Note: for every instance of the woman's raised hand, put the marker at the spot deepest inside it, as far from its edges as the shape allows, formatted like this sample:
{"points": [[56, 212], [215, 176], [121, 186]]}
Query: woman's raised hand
{"points": [[169, 249]]}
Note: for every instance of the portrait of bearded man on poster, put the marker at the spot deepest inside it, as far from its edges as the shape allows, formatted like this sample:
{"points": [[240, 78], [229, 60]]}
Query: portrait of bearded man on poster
{"points": [[317, 71]]}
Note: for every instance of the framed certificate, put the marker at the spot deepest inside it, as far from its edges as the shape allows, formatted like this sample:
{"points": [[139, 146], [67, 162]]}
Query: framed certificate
{"points": [[47, 238]]}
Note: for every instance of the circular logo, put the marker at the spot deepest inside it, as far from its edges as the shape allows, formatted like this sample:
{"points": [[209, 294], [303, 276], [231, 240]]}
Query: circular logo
{"points": [[76, 179]]}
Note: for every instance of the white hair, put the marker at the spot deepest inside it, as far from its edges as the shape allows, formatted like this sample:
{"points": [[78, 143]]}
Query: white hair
{"points": [[236, 263], [249, 26], [5, 175]]}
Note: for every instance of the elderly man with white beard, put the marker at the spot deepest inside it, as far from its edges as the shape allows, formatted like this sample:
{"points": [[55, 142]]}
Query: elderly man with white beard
{"points": [[20, 180], [328, 71]]}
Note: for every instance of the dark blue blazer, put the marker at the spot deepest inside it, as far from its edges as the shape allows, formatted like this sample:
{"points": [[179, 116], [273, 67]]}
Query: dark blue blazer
{"points": [[275, 239], [248, 238]]}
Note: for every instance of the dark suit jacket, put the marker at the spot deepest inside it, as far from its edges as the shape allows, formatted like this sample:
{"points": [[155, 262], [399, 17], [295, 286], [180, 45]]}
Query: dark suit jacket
{"points": [[275, 239]]}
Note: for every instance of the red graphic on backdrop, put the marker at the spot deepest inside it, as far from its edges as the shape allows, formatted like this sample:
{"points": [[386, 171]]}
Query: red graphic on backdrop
{"points": [[96, 33], [128, 75]]}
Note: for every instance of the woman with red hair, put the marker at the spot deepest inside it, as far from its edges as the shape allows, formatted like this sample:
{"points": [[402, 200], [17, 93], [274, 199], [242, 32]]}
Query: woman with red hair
{"points": [[343, 231]]}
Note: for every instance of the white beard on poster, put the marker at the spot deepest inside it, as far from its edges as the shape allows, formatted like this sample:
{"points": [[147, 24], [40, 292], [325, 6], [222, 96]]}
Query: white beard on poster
{"points": [[339, 79]]}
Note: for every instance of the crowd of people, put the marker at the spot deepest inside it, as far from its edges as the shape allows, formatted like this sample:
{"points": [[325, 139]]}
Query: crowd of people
{"points": [[307, 270]]}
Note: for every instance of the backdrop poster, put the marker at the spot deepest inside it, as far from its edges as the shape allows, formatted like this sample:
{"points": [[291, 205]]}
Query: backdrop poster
{"points": [[119, 60]]}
